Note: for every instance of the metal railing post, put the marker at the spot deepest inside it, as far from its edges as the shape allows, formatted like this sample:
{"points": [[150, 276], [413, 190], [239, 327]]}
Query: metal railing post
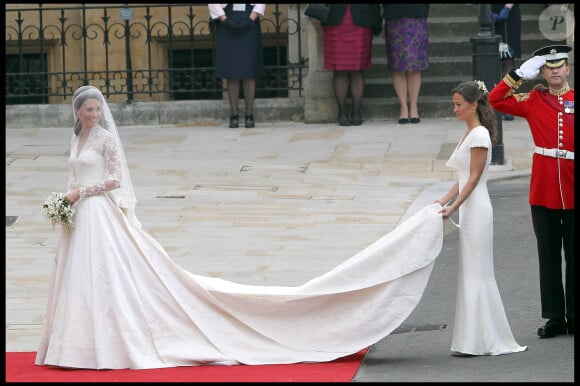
{"points": [[486, 67]]}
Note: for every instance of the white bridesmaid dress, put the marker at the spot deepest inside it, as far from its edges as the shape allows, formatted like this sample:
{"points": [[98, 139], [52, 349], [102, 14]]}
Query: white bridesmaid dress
{"points": [[481, 326]]}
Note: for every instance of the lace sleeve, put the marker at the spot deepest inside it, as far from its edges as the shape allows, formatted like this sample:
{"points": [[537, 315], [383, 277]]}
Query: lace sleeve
{"points": [[71, 176], [113, 166]]}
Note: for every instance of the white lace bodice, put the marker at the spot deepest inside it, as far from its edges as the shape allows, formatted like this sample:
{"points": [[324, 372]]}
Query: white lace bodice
{"points": [[97, 167]]}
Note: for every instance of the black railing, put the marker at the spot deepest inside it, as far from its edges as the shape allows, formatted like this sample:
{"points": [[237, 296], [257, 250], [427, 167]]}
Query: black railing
{"points": [[138, 52]]}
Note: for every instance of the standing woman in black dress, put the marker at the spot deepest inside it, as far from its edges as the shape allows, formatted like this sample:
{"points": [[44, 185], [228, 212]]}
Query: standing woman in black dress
{"points": [[238, 47]]}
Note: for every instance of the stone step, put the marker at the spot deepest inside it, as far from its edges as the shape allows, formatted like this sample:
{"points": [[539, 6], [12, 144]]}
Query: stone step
{"points": [[430, 86], [438, 66], [388, 108], [446, 46]]}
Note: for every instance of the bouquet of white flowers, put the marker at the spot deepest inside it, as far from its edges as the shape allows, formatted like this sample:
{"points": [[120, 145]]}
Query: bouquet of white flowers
{"points": [[58, 211]]}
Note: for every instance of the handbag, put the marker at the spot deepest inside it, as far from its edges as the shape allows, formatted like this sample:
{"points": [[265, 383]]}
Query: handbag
{"points": [[505, 51], [317, 11]]}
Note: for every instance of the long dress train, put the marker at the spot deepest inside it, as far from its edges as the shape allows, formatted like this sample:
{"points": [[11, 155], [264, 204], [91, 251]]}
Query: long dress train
{"points": [[117, 300]]}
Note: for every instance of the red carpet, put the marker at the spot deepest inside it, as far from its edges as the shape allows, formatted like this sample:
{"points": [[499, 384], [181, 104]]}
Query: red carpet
{"points": [[20, 367]]}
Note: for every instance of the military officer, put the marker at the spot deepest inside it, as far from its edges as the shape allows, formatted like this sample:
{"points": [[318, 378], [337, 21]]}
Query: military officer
{"points": [[550, 115]]}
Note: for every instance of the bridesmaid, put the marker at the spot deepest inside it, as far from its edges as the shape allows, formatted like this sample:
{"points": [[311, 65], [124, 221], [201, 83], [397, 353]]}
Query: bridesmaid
{"points": [[481, 326]]}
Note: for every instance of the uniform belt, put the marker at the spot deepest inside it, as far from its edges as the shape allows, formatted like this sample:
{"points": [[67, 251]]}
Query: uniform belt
{"points": [[555, 153]]}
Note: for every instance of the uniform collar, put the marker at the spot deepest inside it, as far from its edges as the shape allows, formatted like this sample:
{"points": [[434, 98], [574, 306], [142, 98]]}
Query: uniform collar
{"points": [[559, 92]]}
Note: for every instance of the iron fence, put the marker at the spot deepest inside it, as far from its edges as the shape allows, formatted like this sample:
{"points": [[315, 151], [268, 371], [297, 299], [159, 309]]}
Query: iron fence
{"points": [[138, 52]]}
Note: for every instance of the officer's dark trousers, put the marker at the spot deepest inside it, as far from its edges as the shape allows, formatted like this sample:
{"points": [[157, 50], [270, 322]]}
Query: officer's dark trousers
{"points": [[554, 229]]}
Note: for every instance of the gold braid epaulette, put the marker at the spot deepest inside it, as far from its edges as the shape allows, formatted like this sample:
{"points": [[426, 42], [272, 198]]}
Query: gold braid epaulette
{"points": [[512, 82]]}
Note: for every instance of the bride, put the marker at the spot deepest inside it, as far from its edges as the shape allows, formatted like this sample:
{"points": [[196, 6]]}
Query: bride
{"points": [[117, 300]]}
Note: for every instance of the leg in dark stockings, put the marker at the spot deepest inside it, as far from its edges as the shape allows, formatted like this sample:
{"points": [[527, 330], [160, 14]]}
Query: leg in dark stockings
{"points": [[357, 85], [249, 95], [340, 86], [234, 95]]}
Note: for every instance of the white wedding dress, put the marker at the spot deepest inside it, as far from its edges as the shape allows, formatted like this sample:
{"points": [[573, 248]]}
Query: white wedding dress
{"points": [[117, 300], [481, 326]]}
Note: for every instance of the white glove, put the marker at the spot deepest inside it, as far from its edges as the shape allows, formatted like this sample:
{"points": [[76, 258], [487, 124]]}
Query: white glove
{"points": [[530, 69]]}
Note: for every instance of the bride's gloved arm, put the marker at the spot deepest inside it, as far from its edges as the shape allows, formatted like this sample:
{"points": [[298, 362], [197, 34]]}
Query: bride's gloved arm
{"points": [[113, 178]]}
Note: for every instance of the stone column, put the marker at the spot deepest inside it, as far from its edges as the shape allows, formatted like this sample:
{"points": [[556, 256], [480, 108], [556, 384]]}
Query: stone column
{"points": [[319, 102]]}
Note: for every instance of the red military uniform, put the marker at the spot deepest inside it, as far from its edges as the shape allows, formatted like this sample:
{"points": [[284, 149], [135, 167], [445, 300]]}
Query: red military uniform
{"points": [[550, 115]]}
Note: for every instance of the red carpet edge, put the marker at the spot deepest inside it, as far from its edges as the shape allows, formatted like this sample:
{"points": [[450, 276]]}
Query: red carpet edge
{"points": [[20, 367]]}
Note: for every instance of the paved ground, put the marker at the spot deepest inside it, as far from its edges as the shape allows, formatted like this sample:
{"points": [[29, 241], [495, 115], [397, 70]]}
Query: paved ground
{"points": [[278, 204]]}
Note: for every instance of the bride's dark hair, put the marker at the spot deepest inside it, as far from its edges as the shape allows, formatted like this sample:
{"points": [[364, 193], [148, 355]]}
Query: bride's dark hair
{"points": [[80, 96]]}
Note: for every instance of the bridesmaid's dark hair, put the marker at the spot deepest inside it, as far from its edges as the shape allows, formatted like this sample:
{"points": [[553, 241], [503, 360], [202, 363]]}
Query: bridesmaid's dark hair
{"points": [[472, 92]]}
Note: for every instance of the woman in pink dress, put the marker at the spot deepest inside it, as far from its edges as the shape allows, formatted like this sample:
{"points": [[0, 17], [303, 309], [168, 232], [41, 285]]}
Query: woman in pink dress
{"points": [[348, 34]]}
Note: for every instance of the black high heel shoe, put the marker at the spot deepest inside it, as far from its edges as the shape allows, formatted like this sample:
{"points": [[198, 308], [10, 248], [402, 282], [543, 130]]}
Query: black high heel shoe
{"points": [[343, 119], [234, 121], [250, 121], [356, 119]]}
